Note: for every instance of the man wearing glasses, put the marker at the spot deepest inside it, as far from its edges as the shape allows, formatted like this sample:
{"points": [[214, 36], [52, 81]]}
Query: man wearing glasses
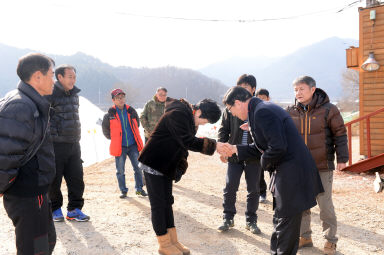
{"points": [[121, 126], [295, 180], [153, 110]]}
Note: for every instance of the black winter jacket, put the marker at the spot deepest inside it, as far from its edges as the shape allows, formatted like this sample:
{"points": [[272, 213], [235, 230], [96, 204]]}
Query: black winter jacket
{"points": [[231, 132], [167, 148], [295, 181], [24, 126], [65, 122]]}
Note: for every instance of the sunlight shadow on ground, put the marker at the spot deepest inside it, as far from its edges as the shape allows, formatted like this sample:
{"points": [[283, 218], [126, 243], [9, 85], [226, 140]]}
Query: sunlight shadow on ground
{"points": [[203, 239], [347, 231], [89, 239], [216, 202], [221, 242]]}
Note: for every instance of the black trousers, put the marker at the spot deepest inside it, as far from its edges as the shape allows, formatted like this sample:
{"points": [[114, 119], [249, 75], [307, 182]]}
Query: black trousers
{"points": [[34, 228], [285, 235], [70, 166], [263, 184], [252, 175], [161, 200]]}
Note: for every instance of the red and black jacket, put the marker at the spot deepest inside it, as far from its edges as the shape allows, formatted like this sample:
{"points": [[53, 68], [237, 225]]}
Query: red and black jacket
{"points": [[112, 129]]}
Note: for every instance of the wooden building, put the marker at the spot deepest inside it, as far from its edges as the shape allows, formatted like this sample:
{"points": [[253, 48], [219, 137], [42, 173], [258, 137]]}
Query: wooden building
{"points": [[371, 83]]}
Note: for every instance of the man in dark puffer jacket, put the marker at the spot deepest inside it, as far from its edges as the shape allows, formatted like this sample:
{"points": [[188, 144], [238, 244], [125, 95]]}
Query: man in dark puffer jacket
{"points": [[322, 128], [26, 145], [65, 131]]}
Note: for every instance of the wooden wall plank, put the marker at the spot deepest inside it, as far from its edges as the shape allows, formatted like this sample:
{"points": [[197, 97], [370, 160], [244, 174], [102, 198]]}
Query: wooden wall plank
{"points": [[372, 103], [369, 109], [370, 35], [379, 54], [376, 45], [364, 75], [374, 82], [373, 97], [376, 90]]}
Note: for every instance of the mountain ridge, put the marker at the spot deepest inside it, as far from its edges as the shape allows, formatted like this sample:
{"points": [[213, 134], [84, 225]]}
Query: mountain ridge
{"points": [[324, 61], [96, 79]]}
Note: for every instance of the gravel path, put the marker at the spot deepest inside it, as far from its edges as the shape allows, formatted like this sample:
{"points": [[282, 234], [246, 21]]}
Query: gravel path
{"points": [[123, 226]]}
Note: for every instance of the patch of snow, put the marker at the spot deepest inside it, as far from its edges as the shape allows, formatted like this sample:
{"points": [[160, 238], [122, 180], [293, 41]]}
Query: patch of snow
{"points": [[94, 145]]}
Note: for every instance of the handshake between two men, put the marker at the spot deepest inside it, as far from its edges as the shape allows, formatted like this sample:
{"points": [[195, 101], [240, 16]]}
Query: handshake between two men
{"points": [[225, 149]]}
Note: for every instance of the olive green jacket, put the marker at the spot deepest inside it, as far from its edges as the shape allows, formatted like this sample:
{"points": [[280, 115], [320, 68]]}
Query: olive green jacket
{"points": [[151, 114]]}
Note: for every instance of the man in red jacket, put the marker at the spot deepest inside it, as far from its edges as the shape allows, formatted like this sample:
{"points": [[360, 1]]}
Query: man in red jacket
{"points": [[121, 126]]}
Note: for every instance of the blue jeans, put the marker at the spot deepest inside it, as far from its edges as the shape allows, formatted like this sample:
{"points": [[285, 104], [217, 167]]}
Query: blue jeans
{"points": [[133, 154]]}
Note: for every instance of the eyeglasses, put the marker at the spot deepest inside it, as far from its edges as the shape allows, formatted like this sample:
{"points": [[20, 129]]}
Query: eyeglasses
{"points": [[229, 109], [119, 97]]}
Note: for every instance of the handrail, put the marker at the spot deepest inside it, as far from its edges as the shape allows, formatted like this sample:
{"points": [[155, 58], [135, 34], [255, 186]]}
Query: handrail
{"points": [[349, 127]]}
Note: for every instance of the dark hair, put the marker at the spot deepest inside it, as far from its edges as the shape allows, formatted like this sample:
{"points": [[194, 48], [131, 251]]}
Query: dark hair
{"points": [[305, 79], [236, 93], [247, 79], [264, 92], [61, 70], [209, 110], [31, 63], [162, 88]]}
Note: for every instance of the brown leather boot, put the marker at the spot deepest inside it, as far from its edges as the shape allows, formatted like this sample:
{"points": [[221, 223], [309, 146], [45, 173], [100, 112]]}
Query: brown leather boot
{"points": [[175, 242], [329, 248], [305, 242], [166, 247]]}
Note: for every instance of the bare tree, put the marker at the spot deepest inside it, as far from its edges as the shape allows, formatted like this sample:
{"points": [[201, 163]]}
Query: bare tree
{"points": [[350, 91]]}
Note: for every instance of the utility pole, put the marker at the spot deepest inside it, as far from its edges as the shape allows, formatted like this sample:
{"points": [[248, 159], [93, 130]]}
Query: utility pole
{"points": [[186, 93]]}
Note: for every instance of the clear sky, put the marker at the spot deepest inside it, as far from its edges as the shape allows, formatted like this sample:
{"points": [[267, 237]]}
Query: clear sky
{"points": [[137, 33]]}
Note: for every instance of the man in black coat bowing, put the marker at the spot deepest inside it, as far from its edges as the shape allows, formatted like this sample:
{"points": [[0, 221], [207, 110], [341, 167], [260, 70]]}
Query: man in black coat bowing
{"points": [[295, 181]]}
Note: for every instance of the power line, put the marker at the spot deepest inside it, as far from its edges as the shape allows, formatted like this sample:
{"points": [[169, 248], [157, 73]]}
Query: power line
{"points": [[332, 10], [349, 6]]}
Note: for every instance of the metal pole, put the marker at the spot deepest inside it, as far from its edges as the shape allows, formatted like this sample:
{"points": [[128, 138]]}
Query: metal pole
{"points": [[369, 136], [350, 144]]}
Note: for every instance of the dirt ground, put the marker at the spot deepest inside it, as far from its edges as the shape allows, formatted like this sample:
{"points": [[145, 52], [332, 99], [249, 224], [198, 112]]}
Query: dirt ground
{"points": [[123, 226]]}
